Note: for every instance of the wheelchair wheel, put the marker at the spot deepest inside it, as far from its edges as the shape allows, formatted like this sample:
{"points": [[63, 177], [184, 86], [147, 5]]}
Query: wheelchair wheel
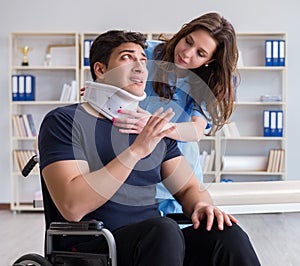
{"points": [[32, 260]]}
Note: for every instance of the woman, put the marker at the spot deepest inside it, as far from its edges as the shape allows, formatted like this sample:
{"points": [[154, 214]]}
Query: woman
{"points": [[192, 73]]}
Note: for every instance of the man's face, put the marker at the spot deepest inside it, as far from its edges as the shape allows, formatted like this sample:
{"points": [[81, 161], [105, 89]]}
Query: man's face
{"points": [[126, 69]]}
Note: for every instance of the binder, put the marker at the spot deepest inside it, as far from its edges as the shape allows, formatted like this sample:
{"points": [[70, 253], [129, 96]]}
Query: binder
{"points": [[279, 123], [21, 87], [29, 88], [15, 85], [281, 60], [266, 123], [273, 123], [268, 52], [275, 52], [86, 56]]}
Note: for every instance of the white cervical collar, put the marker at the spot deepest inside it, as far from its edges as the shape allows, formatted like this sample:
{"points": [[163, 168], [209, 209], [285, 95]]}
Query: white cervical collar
{"points": [[108, 99]]}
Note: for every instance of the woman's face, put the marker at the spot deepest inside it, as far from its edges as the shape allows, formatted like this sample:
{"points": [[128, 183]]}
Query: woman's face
{"points": [[194, 50]]}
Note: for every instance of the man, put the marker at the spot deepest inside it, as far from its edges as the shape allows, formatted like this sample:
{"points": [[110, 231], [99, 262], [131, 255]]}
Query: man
{"points": [[92, 171]]}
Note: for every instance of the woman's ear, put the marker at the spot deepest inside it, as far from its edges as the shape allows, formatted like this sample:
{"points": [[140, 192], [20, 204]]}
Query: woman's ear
{"points": [[209, 61], [99, 69]]}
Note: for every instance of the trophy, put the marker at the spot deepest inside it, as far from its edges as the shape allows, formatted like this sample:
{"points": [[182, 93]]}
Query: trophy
{"points": [[25, 50]]}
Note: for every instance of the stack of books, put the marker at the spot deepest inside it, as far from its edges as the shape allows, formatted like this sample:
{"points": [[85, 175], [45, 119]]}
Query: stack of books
{"points": [[22, 157], [207, 161], [276, 160], [24, 125]]}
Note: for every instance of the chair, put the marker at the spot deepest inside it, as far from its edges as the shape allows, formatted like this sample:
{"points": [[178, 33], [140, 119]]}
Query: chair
{"points": [[55, 257]]}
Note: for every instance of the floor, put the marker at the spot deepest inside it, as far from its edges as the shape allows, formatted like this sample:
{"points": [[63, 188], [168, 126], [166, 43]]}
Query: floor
{"points": [[275, 236]]}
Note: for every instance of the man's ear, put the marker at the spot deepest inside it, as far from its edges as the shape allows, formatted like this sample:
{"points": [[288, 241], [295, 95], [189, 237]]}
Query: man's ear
{"points": [[99, 69]]}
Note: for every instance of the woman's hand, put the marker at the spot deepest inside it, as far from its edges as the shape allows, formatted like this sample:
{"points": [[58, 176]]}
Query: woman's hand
{"points": [[82, 91], [132, 122]]}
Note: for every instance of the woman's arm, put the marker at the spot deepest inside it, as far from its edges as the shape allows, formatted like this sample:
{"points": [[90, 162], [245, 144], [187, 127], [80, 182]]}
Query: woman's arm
{"points": [[133, 123]]}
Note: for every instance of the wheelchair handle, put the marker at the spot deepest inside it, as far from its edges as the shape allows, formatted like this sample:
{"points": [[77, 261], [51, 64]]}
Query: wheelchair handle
{"points": [[29, 166]]}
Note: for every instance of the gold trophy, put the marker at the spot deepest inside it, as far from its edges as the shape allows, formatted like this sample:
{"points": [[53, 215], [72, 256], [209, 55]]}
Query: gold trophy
{"points": [[25, 50]]}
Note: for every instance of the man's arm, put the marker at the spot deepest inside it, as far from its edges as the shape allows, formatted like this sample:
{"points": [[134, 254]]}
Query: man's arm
{"points": [[194, 198], [76, 191]]}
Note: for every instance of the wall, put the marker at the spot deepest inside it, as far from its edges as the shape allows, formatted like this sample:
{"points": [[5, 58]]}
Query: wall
{"points": [[167, 16]]}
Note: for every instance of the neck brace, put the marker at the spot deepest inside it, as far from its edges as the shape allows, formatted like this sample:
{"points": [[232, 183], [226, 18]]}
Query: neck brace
{"points": [[108, 99]]}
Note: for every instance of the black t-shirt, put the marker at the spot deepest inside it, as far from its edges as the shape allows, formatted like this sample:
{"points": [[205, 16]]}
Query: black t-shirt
{"points": [[70, 133]]}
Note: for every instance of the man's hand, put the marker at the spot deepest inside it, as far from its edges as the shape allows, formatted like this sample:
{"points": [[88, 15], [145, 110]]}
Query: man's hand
{"points": [[152, 133], [211, 212]]}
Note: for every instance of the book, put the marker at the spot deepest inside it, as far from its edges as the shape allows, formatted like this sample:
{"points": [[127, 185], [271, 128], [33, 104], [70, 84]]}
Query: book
{"points": [[270, 161], [31, 124], [27, 127], [230, 130], [211, 161]]}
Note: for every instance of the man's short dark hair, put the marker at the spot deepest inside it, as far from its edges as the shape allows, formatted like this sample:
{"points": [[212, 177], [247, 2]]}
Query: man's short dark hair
{"points": [[105, 43]]}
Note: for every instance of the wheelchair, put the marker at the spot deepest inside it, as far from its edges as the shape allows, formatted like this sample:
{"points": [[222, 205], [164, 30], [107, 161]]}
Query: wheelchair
{"points": [[55, 257], [94, 228]]}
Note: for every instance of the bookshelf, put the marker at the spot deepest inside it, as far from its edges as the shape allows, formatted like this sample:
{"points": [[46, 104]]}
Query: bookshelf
{"points": [[52, 59], [261, 88]]}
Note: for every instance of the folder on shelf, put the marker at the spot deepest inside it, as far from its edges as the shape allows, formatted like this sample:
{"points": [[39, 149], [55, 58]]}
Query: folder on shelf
{"points": [[21, 88], [281, 60], [268, 52], [29, 88], [279, 123], [15, 85], [275, 52], [86, 54], [266, 122], [273, 123]]}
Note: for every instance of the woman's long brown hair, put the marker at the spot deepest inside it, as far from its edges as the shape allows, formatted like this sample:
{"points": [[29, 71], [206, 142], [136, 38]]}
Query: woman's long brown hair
{"points": [[218, 75]]}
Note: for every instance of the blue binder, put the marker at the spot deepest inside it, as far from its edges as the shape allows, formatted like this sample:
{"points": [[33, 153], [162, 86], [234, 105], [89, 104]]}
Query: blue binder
{"points": [[15, 87], [268, 52], [279, 123], [281, 50], [86, 54], [21, 87], [29, 88], [275, 53], [266, 123]]}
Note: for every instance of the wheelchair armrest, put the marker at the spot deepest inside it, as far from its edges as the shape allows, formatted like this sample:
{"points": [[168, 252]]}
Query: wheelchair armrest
{"points": [[180, 218], [77, 226]]}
